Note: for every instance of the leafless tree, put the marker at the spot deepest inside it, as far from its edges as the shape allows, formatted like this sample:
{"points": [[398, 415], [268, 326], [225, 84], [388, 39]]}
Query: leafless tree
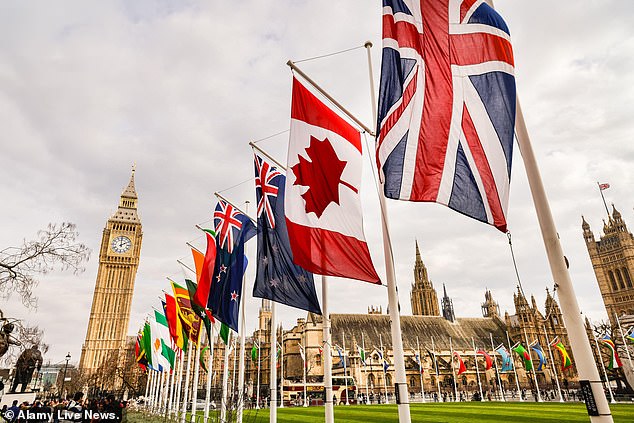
{"points": [[27, 336], [55, 248]]}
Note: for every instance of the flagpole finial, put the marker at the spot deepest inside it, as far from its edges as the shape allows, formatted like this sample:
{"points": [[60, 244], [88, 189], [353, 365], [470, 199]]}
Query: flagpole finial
{"points": [[368, 44]]}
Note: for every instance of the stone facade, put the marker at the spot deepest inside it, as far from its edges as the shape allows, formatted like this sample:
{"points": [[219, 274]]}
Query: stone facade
{"points": [[612, 258], [114, 287], [423, 296]]}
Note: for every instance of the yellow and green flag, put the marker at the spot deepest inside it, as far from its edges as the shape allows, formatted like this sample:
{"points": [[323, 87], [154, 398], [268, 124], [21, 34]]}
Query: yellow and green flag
{"points": [[566, 361]]}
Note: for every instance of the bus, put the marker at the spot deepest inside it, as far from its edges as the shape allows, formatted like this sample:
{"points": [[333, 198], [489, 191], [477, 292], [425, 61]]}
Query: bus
{"points": [[294, 391]]}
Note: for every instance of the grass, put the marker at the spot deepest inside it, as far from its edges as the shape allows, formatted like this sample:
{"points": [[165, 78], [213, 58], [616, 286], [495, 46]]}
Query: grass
{"points": [[469, 412]]}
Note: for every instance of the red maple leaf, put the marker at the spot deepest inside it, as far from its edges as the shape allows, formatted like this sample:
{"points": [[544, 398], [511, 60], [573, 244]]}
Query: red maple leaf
{"points": [[322, 176]]}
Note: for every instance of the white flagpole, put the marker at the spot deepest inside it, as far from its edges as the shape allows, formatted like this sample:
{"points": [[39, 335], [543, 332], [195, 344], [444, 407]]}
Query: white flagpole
{"points": [[528, 346], [345, 369], [453, 372], [382, 364], [176, 405], [303, 349], [150, 400], [196, 377], [210, 368], [225, 380], [559, 268], [172, 386], [328, 405], [475, 359], [552, 365], [420, 368], [433, 347], [168, 378], [156, 382], [367, 391], [517, 381], [497, 371], [187, 377], [281, 367], [169, 391], [147, 386], [257, 393], [605, 373], [232, 394], [159, 392], [243, 332], [629, 357], [150, 403], [402, 395], [273, 376], [579, 342]]}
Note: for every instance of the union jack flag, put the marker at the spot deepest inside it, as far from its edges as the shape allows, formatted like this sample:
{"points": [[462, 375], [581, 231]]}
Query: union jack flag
{"points": [[447, 106], [225, 221], [264, 174]]}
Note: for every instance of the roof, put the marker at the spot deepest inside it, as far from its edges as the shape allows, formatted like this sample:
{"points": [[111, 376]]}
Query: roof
{"points": [[370, 326]]}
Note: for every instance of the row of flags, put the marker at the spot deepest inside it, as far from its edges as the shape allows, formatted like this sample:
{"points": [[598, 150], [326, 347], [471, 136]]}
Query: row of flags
{"points": [[501, 350]]}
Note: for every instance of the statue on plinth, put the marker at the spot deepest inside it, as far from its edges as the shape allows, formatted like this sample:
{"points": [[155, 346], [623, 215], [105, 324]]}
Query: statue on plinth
{"points": [[28, 362]]}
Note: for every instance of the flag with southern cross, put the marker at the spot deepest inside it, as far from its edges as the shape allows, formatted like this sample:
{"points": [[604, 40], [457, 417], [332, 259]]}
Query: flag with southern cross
{"points": [[524, 355], [233, 229], [277, 277], [323, 200], [566, 361], [446, 113], [487, 358], [615, 361], [540, 353], [507, 360]]}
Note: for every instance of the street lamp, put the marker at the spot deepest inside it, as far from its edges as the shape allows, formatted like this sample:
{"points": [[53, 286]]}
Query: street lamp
{"points": [[64, 378]]}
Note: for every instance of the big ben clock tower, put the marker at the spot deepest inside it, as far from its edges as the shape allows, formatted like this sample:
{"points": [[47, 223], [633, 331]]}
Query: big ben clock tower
{"points": [[118, 263]]}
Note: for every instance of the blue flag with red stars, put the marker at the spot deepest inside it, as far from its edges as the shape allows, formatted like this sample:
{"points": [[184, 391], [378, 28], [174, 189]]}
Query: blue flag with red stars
{"points": [[278, 278], [233, 229]]}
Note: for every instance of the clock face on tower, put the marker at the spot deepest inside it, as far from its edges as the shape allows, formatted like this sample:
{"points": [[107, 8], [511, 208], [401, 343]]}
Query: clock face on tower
{"points": [[121, 244]]}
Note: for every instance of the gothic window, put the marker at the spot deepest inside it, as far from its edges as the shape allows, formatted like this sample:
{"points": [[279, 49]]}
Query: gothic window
{"points": [[318, 360], [388, 379], [618, 275], [611, 275], [371, 380], [412, 382], [628, 280]]}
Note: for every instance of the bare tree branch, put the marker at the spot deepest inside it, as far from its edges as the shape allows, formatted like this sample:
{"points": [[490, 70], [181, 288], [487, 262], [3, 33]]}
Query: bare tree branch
{"points": [[56, 249]]}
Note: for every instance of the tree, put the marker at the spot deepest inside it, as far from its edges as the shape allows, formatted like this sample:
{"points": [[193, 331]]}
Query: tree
{"points": [[55, 248]]}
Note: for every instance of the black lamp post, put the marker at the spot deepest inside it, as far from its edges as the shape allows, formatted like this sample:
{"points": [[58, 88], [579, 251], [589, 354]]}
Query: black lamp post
{"points": [[64, 378]]}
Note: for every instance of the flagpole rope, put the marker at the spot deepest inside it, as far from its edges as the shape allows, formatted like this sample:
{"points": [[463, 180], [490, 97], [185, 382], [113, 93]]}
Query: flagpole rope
{"points": [[236, 185], [271, 136], [329, 54], [519, 282]]}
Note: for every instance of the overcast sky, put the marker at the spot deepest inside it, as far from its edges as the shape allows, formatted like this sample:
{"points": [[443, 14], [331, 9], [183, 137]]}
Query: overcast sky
{"points": [[180, 88]]}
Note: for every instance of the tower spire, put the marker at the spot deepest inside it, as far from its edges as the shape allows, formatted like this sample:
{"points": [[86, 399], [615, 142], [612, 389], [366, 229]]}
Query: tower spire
{"points": [[127, 211]]}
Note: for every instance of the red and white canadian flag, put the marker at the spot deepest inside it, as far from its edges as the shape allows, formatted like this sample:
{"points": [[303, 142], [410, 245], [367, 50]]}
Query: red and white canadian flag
{"points": [[323, 208]]}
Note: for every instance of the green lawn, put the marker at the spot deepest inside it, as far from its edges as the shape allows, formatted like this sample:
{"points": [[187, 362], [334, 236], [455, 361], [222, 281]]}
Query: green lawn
{"points": [[469, 412]]}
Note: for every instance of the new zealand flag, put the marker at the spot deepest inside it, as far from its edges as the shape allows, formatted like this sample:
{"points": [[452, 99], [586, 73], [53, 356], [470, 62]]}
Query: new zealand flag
{"points": [[233, 229], [278, 278]]}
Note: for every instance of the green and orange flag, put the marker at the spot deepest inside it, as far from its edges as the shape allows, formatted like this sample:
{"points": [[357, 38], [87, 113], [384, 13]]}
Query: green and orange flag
{"points": [[524, 355], [566, 361]]}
